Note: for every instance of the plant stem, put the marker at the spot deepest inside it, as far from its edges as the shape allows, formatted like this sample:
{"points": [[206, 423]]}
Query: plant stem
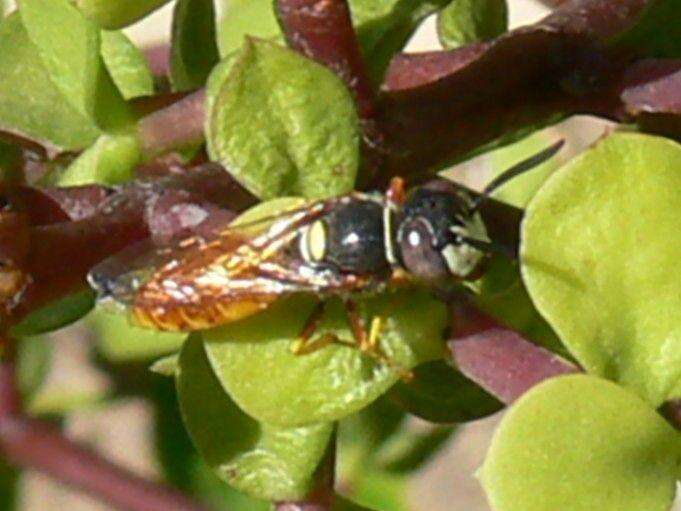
{"points": [[34, 444], [175, 126], [322, 30], [499, 359]]}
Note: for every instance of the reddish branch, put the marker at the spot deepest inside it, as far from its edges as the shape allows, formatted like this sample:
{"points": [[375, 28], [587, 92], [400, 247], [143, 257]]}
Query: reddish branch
{"points": [[34, 444], [176, 126], [498, 358], [322, 30], [440, 106], [51, 238]]}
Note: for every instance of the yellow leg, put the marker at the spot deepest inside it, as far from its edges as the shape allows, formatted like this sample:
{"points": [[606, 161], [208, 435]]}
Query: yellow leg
{"points": [[374, 348], [375, 330]]}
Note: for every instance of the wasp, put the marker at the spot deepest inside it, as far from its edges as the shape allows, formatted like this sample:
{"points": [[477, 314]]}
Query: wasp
{"points": [[344, 246]]}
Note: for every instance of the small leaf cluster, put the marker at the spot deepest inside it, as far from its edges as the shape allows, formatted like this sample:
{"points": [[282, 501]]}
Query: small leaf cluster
{"points": [[597, 280]]}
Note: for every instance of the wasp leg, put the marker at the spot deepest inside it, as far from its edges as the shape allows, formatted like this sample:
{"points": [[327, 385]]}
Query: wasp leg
{"points": [[375, 330], [369, 342], [306, 344]]}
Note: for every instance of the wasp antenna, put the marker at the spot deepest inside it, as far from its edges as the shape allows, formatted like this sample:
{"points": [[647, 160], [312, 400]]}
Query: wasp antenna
{"points": [[486, 246], [518, 169]]}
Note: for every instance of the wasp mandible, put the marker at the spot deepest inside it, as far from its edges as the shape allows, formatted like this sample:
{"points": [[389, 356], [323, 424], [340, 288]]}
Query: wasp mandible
{"points": [[345, 246]]}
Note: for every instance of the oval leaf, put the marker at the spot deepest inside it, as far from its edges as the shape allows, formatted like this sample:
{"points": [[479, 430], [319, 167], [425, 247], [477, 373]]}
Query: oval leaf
{"points": [[243, 18], [69, 47], [383, 28], [127, 65], [284, 125], [119, 341], [464, 22], [439, 393], [111, 160], [578, 443], [194, 49], [601, 250], [30, 104], [254, 362], [56, 315], [262, 460], [117, 13]]}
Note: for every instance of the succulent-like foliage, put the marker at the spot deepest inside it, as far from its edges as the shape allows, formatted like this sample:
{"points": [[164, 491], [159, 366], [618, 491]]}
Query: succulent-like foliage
{"points": [[110, 154]]}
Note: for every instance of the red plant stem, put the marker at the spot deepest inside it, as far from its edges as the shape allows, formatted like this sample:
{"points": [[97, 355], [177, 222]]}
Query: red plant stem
{"points": [[672, 411], [498, 358], [175, 126], [36, 445], [31, 444], [322, 30]]}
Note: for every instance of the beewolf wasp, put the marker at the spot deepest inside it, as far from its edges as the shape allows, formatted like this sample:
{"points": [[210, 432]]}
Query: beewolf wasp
{"points": [[345, 246]]}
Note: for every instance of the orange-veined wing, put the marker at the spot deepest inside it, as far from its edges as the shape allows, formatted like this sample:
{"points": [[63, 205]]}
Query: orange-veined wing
{"points": [[199, 284]]}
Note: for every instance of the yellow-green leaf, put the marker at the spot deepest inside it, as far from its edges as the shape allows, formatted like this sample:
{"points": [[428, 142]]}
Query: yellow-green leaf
{"points": [[601, 256], [579, 443]]}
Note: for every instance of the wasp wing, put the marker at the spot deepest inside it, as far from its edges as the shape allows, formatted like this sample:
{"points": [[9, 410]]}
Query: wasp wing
{"points": [[198, 283]]}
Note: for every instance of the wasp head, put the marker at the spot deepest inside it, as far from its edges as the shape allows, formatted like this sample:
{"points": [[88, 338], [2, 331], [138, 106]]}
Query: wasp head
{"points": [[434, 235]]}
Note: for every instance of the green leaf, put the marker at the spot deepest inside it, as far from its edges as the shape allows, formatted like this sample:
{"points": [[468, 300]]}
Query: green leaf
{"points": [[658, 32], [69, 45], [126, 64], [361, 437], [464, 22], [182, 466], [166, 366], [218, 76], [10, 479], [600, 251], [284, 125], [439, 393], [502, 294], [119, 341], [385, 27], [11, 163], [412, 448], [111, 160], [30, 104], [254, 362], [265, 461], [113, 14], [243, 18], [194, 49], [56, 314], [578, 443], [342, 504], [34, 357]]}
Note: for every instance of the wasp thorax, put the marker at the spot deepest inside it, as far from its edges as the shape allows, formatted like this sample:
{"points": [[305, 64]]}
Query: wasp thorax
{"points": [[432, 236], [350, 238]]}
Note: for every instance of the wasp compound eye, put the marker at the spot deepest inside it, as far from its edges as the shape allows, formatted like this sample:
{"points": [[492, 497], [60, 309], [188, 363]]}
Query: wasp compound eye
{"points": [[417, 244]]}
